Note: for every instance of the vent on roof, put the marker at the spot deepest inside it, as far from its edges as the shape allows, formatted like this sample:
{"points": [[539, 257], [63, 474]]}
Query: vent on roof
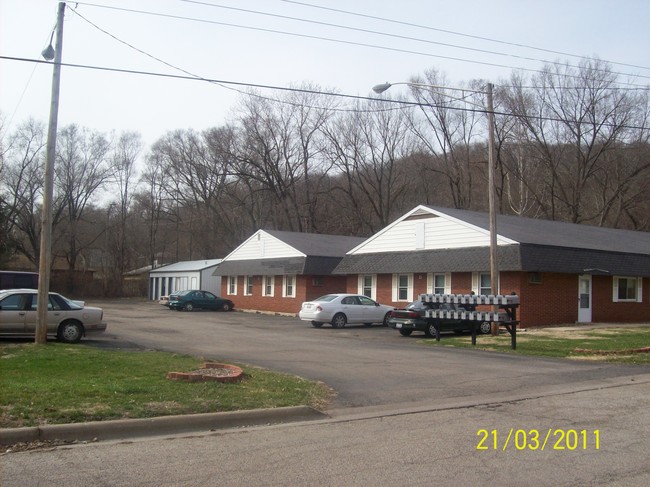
{"points": [[421, 215]]}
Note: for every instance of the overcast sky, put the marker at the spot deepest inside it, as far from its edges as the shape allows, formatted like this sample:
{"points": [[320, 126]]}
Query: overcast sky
{"points": [[248, 47]]}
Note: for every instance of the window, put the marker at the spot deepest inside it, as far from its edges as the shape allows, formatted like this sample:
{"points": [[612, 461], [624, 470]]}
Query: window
{"points": [[289, 287], [439, 283], [318, 282], [268, 285], [232, 285], [535, 277], [402, 287], [367, 285], [481, 283], [248, 286], [628, 289]]}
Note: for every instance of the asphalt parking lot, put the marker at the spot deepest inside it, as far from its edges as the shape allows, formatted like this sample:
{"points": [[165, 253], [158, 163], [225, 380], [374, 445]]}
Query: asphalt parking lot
{"points": [[366, 366]]}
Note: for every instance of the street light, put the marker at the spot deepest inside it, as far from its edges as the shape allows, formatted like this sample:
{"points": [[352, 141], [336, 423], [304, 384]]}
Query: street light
{"points": [[45, 257], [494, 270]]}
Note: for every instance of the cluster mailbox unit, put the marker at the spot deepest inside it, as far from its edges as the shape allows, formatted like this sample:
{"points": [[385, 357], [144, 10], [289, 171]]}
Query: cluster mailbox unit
{"points": [[467, 304]]}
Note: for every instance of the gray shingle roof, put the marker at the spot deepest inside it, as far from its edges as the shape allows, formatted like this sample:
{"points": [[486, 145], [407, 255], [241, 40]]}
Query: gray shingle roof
{"points": [[323, 253], [316, 244], [557, 234], [312, 266], [544, 246], [442, 260]]}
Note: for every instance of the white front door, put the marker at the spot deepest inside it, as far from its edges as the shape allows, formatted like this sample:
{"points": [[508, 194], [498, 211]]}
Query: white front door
{"points": [[584, 299]]}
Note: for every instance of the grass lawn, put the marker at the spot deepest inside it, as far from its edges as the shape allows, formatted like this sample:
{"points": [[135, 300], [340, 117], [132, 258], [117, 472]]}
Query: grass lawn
{"points": [[574, 343], [61, 383]]}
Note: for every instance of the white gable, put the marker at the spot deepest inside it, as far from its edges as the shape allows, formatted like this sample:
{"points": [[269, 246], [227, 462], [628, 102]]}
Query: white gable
{"points": [[426, 229], [262, 245]]}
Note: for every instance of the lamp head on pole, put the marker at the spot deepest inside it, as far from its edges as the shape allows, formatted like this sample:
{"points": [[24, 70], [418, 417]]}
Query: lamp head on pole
{"points": [[48, 53], [381, 88]]}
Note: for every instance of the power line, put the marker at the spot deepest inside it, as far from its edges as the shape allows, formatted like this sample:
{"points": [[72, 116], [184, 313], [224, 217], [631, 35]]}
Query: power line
{"points": [[420, 26], [396, 36], [201, 78], [328, 39], [402, 103]]}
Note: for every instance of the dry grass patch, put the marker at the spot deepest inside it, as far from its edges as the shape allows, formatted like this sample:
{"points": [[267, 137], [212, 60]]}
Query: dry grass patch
{"points": [[593, 344]]}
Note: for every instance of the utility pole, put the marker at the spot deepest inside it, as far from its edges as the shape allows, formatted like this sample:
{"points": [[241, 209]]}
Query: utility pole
{"points": [[494, 268], [45, 259]]}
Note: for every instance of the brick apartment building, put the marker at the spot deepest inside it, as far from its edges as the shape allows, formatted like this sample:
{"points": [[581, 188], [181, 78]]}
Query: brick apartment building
{"points": [[564, 273]]}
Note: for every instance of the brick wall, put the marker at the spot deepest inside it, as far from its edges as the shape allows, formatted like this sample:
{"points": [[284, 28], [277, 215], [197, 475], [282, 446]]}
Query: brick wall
{"points": [[553, 301], [560, 289], [606, 310], [307, 288]]}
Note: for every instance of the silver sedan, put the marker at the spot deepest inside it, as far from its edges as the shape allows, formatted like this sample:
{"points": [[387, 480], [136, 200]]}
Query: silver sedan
{"points": [[67, 320], [340, 309]]}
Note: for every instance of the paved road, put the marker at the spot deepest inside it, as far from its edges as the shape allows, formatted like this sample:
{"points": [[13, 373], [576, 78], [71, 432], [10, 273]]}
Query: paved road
{"points": [[436, 447]]}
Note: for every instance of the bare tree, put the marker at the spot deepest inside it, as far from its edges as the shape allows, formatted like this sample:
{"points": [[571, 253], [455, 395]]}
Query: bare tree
{"points": [[278, 152], [197, 175], [575, 120], [366, 147], [449, 127], [123, 167], [22, 185], [151, 203], [81, 171]]}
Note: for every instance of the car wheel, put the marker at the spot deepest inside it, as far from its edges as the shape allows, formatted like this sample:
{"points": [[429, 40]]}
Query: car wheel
{"points": [[188, 307], [405, 333], [339, 320], [316, 324], [225, 307], [386, 319], [70, 332], [486, 328], [430, 330]]}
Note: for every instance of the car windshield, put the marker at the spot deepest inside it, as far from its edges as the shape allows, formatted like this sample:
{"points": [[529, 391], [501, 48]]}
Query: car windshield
{"points": [[416, 305], [327, 298], [420, 305]]}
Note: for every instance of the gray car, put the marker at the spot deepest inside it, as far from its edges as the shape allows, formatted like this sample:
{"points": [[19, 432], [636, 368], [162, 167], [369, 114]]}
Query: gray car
{"points": [[67, 320], [341, 309]]}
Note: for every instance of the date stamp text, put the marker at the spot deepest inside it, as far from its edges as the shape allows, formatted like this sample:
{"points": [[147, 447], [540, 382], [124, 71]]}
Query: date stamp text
{"points": [[532, 439]]}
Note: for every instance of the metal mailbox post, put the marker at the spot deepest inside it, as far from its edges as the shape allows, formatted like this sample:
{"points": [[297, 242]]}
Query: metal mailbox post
{"points": [[507, 318]]}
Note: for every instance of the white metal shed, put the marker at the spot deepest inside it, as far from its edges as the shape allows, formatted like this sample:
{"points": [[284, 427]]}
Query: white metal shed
{"points": [[191, 274]]}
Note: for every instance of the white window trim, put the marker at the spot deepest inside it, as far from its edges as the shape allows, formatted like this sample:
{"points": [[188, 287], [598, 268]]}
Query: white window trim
{"points": [[476, 282], [265, 281], [639, 290], [230, 292], [285, 280], [409, 293], [431, 281], [373, 286], [246, 280]]}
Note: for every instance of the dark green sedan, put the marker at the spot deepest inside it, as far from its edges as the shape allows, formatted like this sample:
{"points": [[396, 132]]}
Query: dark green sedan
{"points": [[195, 299]]}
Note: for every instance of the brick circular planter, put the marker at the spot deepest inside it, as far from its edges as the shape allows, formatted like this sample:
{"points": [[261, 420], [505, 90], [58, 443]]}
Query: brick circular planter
{"points": [[211, 371]]}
